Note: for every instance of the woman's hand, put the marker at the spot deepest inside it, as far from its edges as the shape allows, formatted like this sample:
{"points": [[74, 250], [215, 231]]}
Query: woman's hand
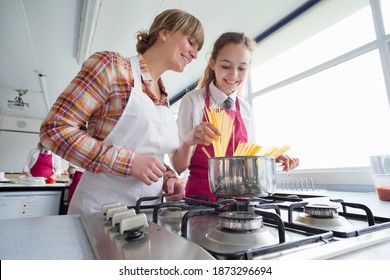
{"points": [[204, 134], [289, 163], [175, 189], [147, 169]]}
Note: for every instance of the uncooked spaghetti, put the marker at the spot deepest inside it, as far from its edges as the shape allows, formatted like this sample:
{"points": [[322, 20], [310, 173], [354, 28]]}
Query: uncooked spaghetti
{"points": [[224, 123], [246, 149], [275, 151]]}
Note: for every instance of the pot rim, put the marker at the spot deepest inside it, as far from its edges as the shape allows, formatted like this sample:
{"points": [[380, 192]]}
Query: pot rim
{"points": [[236, 157]]}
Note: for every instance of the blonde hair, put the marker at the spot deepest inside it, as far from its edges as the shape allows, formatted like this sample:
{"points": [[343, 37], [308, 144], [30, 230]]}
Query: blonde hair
{"points": [[222, 41], [171, 20]]}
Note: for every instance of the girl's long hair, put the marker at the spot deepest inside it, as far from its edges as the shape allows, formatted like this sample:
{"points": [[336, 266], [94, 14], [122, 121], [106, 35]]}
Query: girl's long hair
{"points": [[222, 41]]}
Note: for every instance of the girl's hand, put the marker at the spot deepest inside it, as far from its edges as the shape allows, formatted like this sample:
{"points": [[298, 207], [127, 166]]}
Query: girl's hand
{"points": [[204, 134], [289, 163]]}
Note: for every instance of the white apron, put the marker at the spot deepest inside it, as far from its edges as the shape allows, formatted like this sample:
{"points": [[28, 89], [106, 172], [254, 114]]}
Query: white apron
{"points": [[143, 127]]}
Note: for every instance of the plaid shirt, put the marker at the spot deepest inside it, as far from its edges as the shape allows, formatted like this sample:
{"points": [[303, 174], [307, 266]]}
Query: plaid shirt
{"points": [[97, 96]]}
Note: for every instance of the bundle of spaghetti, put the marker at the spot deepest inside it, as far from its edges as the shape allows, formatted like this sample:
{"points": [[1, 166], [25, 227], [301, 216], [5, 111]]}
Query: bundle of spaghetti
{"points": [[247, 149], [275, 151], [224, 123], [281, 150]]}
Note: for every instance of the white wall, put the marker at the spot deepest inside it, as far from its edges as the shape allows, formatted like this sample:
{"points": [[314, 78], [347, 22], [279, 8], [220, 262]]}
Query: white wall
{"points": [[14, 147], [17, 137]]}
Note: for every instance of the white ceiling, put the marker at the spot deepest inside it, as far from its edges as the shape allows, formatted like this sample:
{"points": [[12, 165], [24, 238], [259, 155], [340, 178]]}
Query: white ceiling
{"points": [[41, 37]]}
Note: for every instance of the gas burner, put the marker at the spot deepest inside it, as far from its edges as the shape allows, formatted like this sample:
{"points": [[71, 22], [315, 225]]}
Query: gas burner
{"points": [[325, 211], [337, 222], [240, 221], [171, 217], [242, 229], [171, 211], [323, 216], [239, 239], [171, 214]]}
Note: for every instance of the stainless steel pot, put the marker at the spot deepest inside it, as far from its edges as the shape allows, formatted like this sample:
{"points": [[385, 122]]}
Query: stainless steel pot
{"points": [[242, 176]]}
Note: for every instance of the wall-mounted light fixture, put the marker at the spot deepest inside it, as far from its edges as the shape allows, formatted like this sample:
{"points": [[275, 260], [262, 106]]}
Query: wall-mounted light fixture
{"points": [[18, 102], [90, 16]]}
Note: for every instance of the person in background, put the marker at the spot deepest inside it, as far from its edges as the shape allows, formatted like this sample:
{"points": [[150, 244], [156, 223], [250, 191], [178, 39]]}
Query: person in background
{"points": [[224, 75], [41, 162], [130, 125]]}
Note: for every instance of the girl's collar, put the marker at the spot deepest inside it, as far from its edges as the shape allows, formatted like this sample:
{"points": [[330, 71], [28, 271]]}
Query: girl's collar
{"points": [[219, 96]]}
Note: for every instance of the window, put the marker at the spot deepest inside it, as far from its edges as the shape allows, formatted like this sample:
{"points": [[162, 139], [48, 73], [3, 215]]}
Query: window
{"points": [[340, 38], [320, 48], [325, 95], [336, 118]]}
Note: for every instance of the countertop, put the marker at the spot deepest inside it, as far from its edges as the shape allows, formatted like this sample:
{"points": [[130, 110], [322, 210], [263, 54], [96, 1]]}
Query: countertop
{"points": [[9, 185], [44, 238]]}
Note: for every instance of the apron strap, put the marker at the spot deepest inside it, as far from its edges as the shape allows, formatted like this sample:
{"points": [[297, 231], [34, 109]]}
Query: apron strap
{"points": [[136, 73]]}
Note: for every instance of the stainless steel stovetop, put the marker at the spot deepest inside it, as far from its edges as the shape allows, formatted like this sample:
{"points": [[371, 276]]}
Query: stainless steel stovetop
{"points": [[275, 227], [156, 243]]}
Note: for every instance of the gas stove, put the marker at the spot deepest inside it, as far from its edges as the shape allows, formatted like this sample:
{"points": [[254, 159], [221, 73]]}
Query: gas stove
{"points": [[276, 227]]}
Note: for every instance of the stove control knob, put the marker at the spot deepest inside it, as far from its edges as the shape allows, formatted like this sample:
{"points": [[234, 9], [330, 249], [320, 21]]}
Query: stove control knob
{"points": [[112, 210], [118, 216], [105, 207], [133, 223]]}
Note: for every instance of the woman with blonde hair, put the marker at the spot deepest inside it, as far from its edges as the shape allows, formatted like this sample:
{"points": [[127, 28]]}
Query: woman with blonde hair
{"points": [[130, 125]]}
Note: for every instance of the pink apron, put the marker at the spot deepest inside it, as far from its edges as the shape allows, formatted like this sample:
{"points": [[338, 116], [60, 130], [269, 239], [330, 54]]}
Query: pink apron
{"points": [[75, 180], [43, 167], [198, 181]]}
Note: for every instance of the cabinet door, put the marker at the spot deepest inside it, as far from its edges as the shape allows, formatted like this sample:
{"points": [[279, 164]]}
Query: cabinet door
{"points": [[29, 204]]}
